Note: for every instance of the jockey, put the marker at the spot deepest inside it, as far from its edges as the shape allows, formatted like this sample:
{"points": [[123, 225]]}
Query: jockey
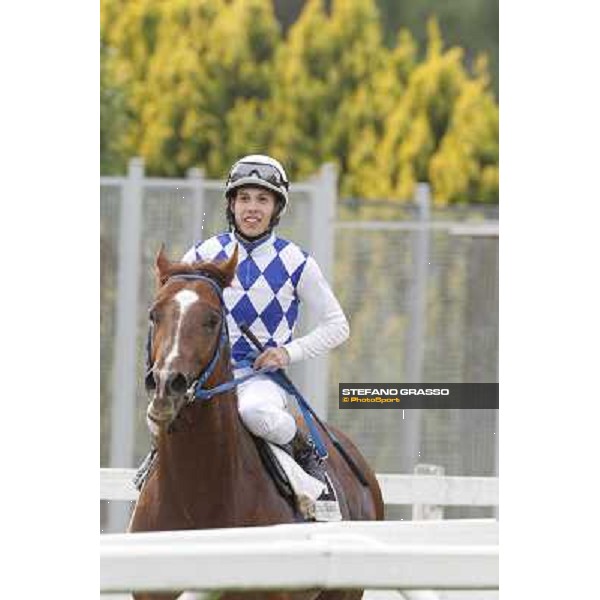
{"points": [[274, 277]]}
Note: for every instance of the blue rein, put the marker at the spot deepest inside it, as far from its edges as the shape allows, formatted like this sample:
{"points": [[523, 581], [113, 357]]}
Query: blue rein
{"points": [[196, 390]]}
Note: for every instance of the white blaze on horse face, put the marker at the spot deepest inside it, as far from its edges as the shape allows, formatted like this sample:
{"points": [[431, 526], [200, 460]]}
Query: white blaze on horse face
{"points": [[184, 298]]}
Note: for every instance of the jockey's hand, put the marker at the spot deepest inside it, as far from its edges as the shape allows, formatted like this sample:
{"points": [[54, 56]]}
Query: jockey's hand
{"points": [[272, 357]]}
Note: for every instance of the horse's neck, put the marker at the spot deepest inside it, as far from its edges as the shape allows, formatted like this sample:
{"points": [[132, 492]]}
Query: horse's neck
{"points": [[204, 445], [204, 463], [209, 471]]}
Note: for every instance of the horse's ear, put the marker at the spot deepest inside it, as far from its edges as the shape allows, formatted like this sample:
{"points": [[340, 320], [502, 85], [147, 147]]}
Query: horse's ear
{"points": [[228, 267], [161, 266]]}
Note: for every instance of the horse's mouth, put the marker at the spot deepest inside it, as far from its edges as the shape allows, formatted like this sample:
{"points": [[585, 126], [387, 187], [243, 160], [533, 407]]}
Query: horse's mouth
{"points": [[161, 419]]}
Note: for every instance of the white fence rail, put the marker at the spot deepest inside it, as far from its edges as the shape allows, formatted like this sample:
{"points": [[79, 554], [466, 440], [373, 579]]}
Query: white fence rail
{"points": [[456, 554], [115, 484], [451, 531], [461, 554]]}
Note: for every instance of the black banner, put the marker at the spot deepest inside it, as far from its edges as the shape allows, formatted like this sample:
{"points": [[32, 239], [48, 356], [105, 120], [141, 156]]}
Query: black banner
{"points": [[418, 395]]}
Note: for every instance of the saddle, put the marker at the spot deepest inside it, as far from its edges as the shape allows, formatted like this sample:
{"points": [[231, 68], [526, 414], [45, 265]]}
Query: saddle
{"points": [[274, 469]]}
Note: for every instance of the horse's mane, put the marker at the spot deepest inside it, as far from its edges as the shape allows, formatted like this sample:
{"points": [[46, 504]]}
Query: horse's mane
{"points": [[209, 269]]}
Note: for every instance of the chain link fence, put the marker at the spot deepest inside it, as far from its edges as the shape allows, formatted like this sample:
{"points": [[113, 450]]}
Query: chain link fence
{"points": [[421, 295], [419, 286]]}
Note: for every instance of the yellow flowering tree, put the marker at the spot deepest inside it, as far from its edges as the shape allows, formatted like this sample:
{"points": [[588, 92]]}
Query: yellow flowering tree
{"points": [[193, 70], [465, 165], [443, 129], [320, 74], [203, 82]]}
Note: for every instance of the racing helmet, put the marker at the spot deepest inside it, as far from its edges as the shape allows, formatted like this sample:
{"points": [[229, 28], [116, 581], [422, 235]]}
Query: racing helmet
{"points": [[262, 171]]}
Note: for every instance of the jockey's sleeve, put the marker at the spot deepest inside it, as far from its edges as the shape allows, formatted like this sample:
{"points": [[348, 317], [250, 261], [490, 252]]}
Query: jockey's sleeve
{"points": [[332, 327]]}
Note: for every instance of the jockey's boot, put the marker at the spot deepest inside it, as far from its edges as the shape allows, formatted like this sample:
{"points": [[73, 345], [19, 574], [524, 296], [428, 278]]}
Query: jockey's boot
{"points": [[326, 507], [144, 469], [304, 451]]}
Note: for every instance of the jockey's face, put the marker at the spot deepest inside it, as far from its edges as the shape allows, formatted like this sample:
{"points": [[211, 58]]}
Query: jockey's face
{"points": [[253, 208]]}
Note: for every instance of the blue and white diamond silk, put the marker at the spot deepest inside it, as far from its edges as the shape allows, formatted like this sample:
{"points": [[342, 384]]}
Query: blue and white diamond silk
{"points": [[263, 292]]}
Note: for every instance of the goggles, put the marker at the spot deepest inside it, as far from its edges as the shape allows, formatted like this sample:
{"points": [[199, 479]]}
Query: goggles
{"points": [[267, 173]]}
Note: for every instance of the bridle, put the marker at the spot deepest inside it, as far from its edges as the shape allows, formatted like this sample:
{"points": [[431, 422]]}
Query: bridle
{"points": [[196, 390]]}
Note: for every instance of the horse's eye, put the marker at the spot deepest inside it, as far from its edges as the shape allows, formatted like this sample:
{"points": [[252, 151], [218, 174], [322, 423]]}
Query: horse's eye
{"points": [[211, 322], [153, 316]]}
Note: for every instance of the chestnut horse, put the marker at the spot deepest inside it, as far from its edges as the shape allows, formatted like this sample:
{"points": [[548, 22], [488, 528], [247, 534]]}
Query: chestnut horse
{"points": [[208, 472]]}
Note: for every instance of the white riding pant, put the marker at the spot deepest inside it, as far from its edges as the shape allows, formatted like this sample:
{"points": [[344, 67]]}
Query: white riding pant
{"points": [[262, 405]]}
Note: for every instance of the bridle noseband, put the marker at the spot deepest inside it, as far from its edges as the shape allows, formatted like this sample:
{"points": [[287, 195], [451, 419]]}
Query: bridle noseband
{"points": [[195, 390]]}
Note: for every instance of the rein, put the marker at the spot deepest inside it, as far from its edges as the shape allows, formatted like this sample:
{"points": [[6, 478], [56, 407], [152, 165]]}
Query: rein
{"points": [[196, 390]]}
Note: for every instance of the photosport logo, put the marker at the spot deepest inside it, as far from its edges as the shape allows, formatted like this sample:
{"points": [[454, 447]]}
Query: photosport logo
{"points": [[422, 395]]}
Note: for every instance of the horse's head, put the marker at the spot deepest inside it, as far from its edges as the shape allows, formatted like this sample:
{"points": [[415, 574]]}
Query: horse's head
{"points": [[186, 324]]}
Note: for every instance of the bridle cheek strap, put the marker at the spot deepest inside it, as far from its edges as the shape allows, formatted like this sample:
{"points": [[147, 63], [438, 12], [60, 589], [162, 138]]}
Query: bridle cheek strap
{"points": [[196, 390]]}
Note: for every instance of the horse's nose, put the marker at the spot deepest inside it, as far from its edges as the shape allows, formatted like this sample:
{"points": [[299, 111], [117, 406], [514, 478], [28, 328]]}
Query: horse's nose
{"points": [[176, 384]]}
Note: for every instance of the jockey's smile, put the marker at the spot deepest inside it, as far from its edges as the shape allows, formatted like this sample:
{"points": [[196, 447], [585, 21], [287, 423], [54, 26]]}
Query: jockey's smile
{"points": [[253, 208]]}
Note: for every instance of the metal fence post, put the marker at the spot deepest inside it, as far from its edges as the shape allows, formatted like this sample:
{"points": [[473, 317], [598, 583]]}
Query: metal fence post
{"points": [[422, 512], [418, 292], [496, 456], [323, 218], [415, 336], [322, 234], [196, 177], [124, 371]]}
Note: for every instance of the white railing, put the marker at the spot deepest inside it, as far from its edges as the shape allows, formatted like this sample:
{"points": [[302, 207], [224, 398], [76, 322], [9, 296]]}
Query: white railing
{"points": [[413, 555], [385, 555], [450, 531], [115, 484]]}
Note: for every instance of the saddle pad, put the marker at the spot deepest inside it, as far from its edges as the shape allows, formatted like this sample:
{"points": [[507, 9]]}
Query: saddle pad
{"points": [[274, 469], [294, 484], [327, 508]]}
